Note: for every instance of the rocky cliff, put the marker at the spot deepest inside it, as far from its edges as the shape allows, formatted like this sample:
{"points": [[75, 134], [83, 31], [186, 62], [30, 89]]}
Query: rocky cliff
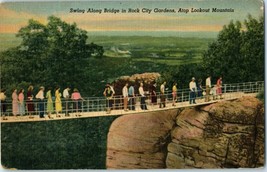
{"points": [[228, 134]]}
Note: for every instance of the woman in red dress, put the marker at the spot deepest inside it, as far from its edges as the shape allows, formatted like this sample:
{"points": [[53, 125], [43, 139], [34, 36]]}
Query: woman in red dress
{"points": [[219, 87]]}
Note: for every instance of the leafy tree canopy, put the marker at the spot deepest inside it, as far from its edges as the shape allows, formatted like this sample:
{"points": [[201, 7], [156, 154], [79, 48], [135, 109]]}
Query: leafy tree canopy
{"points": [[51, 54], [237, 55], [238, 52]]}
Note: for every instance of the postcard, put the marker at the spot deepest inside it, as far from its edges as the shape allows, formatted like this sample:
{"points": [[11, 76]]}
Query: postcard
{"points": [[152, 84]]}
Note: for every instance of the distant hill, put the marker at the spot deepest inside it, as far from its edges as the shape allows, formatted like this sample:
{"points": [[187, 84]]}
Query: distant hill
{"points": [[9, 40], [156, 34]]}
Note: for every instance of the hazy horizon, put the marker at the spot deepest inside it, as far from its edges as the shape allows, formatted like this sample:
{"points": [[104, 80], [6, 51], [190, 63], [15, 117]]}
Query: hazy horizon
{"points": [[149, 34], [155, 34], [14, 15]]}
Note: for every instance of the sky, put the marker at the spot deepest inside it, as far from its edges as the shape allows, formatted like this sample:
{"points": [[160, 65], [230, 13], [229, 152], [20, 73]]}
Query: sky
{"points": [[14, 15]]}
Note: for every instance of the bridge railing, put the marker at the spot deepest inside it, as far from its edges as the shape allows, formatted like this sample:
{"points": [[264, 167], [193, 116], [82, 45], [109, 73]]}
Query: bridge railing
{"points": [[101, 104], [248, 87]]}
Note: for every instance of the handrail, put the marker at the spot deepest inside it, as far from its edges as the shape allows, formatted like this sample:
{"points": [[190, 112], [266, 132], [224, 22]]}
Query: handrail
{"points": [[179, 90], [100, 104]]}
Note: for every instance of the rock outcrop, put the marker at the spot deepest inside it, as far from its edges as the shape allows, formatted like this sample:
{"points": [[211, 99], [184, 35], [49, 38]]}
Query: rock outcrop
{"points": [[220, 135], [147, 78], [228, 134], [140, 140]]}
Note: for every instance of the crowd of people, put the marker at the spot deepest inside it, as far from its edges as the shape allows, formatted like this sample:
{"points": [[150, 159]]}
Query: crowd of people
{"points": [[129, 97], [128, 94], [197, 90], [41, 98]]}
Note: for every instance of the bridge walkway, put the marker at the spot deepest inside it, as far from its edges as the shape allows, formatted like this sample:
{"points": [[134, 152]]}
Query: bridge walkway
{"points": [[151, 108]]}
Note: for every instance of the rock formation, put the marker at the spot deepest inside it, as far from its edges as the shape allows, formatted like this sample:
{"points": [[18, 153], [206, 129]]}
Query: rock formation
{"points": [[218, 136], [140, 141], [147, 78], [228, 134]]}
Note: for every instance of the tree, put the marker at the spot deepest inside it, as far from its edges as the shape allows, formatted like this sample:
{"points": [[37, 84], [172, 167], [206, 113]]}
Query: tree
{"points": [[252, 48], [50, 55], [238, 53]]}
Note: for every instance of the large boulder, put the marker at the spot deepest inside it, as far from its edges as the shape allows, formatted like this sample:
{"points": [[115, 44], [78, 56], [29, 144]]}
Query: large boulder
{"points": [[222, 135], [147, 78], [139, 141]]}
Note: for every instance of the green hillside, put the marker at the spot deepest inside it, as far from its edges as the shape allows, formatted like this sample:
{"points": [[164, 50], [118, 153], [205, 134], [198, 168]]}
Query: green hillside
{"points": [[167, 50]]}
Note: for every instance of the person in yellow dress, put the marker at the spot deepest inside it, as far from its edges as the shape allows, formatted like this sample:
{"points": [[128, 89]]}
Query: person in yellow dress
{"points": [[174, 94], [58, 101], [49, 106]]}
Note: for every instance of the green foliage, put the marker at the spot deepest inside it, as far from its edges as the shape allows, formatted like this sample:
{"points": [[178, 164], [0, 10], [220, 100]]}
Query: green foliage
{"points": [[182, 75], [56, 62], [238, 52], [100, 71], [63, 144], [237, 55], [50, 55], [67, 57]]}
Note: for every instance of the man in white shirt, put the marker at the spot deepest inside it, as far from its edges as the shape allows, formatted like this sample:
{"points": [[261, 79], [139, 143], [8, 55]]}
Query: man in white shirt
{"points": [[3, 103], [143, 97], [40, 97], [208, 87], [162, 95], [66, 96], [125, 96], [193, 89]]}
